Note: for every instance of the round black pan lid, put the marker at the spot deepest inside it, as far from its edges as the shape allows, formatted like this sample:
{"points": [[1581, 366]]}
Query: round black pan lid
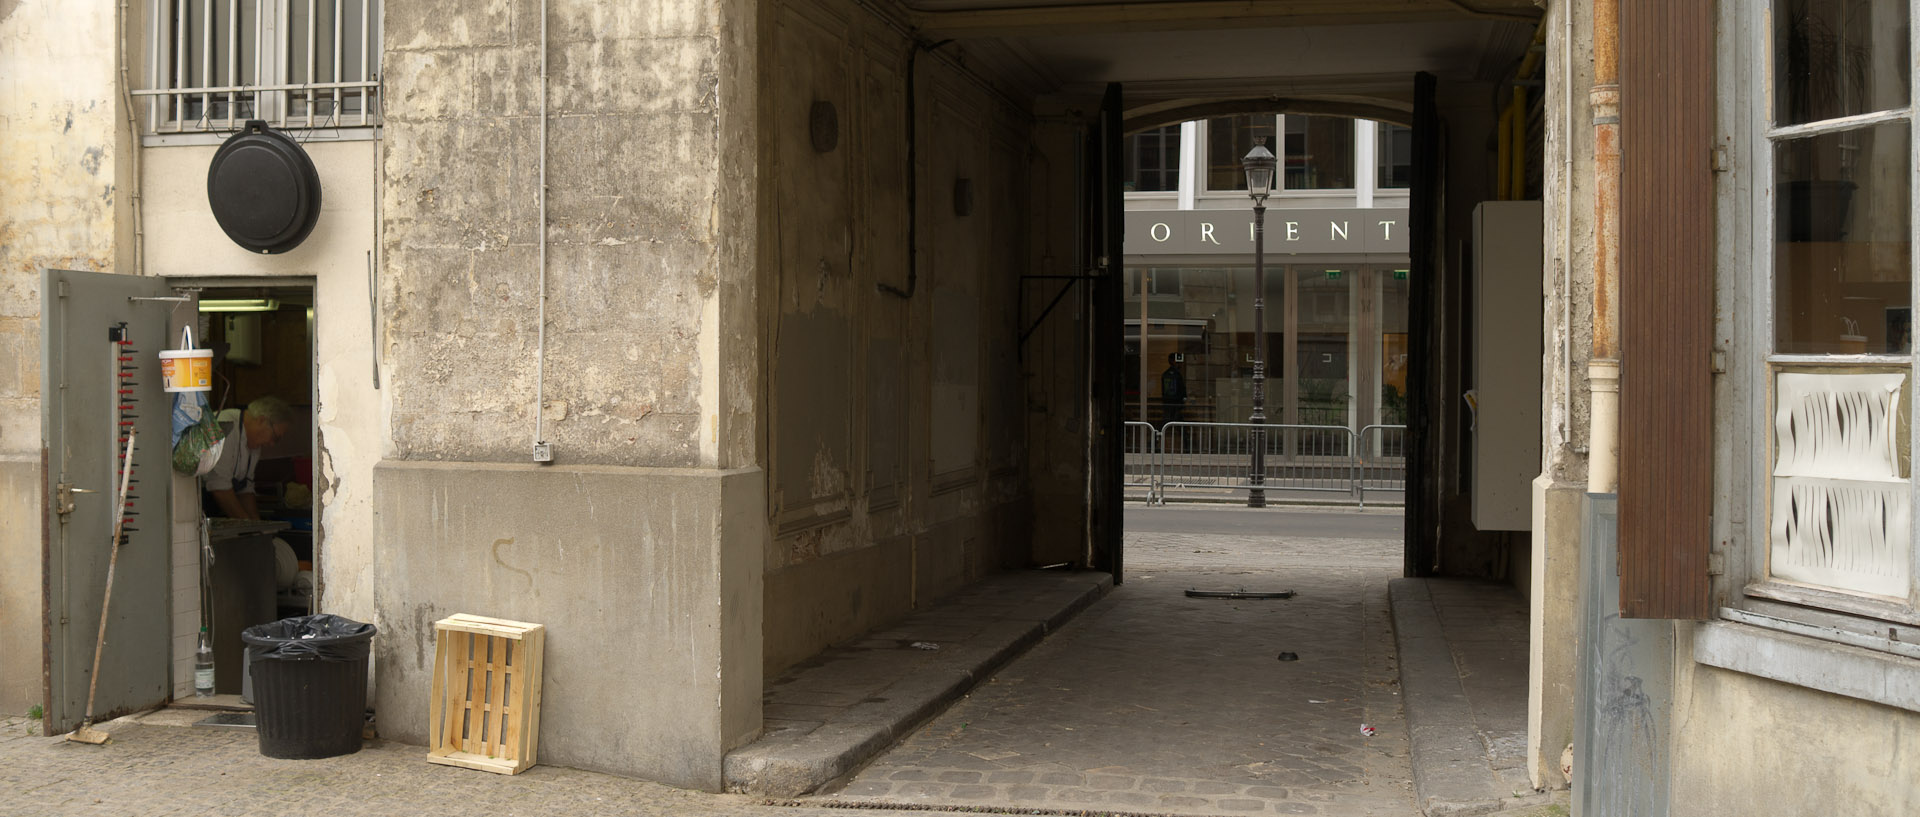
{"points": [[264, 190]]}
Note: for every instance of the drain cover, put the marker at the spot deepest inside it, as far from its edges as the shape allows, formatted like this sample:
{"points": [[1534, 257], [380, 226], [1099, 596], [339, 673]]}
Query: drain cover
{"points": [[228, 720]]}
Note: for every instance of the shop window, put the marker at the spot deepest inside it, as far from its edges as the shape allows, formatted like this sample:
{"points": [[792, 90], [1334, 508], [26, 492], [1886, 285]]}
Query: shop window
{"points": [[214, 64], [1153, 160], [1393, 157], [1837, 469]]}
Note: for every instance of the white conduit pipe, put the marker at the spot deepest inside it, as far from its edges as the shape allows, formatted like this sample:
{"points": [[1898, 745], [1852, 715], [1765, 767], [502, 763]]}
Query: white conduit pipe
{"points": [[540, 451]]}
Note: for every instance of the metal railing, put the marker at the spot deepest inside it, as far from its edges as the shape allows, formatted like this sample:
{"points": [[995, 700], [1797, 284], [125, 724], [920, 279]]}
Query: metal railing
{"points": [[214, 64], [1137, 466], [1209, 459]]}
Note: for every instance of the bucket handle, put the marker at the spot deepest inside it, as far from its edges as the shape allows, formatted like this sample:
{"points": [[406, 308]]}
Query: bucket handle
{"points": [[186, 338]]}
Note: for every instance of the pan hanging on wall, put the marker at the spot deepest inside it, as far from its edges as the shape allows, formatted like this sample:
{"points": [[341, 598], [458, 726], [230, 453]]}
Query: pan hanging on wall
{"points": [[264, 190]]}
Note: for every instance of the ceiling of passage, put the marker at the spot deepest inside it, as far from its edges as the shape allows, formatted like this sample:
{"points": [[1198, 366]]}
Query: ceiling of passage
{"points": [[1195, 50]]}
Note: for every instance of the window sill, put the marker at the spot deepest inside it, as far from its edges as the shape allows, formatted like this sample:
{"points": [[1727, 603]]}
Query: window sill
{"points": [[302, 135], [1838, 669]]}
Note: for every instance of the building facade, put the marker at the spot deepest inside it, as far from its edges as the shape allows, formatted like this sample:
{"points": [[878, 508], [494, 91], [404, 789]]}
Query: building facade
{"points": [[709, 333], [1336, 272]]}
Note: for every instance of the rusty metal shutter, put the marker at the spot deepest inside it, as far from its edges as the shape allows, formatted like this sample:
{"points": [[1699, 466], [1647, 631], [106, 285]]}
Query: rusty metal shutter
{"points": [[1666, 306]]}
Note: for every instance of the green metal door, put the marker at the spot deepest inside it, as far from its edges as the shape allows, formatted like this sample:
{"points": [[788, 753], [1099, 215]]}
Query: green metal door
{"points": [[91, 382]]}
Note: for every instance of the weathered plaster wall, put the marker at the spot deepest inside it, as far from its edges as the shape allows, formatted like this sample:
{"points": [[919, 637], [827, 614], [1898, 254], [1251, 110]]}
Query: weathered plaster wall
{"points": [[60, 174], [646, 344], [1744, 745], [895, 445]]}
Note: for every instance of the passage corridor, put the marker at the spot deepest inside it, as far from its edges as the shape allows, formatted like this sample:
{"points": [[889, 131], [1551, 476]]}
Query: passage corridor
{"points": [[1151, 701]]}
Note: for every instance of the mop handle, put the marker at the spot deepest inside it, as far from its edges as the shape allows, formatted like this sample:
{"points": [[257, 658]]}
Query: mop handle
{"points": [[113, 558]]}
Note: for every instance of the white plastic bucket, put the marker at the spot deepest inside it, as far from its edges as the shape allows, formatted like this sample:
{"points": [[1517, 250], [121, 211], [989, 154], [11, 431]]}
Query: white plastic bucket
{"points": [[186, 368]]}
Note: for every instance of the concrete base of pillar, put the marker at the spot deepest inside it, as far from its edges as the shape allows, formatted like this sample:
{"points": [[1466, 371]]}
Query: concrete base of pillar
{"points": [[1554, 617], [648, 580]]}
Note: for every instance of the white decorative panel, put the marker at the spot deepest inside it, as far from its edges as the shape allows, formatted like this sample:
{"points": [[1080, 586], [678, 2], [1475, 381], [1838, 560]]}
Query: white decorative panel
{"points": [[1842, 502]]}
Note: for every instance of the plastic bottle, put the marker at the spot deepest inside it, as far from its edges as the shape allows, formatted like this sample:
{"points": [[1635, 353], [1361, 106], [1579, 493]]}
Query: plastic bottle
{"points": [[203, 667]]}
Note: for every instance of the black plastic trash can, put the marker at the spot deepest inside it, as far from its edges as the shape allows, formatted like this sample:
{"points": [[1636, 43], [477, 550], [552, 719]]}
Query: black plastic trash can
{"points": [[309, 684]]}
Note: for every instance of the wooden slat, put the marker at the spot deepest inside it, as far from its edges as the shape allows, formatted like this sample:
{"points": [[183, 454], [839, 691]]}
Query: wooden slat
{"points": [[437, 696], [514, 694], [456, 681], [1666, 307], [536, 644]]}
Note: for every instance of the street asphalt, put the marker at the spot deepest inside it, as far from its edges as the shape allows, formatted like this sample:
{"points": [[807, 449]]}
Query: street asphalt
{"points": [[1291, 522]]}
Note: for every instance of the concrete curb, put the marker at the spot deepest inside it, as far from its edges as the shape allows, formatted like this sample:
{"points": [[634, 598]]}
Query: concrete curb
{"points": [[791, 765], [1451, 773]]}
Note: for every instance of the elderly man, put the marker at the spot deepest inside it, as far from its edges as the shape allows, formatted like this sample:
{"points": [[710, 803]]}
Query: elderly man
{"points": [[230, 484]]}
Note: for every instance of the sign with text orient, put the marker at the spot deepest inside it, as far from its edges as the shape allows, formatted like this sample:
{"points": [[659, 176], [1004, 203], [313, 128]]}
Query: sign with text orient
{"points": [[1289, 232]]}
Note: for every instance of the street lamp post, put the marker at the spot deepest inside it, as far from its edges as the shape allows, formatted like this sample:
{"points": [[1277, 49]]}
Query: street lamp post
{"points": [[1259, 164]]}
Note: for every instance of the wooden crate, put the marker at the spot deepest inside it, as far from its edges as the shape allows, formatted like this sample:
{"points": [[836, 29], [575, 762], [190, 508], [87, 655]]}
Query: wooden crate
{"points": [[486, 693]]}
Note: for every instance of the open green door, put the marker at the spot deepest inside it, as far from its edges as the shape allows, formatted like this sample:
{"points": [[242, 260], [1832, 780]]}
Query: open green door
{"points": [[90, 384]]}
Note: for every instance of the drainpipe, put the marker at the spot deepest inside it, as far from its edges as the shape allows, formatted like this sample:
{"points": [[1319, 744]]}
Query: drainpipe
{"points": [[1603, 368], [133, 134]]}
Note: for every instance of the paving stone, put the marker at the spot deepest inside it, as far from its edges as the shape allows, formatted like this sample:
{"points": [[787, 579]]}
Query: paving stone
{"points": [[972, 793], [1010, 777], [959, 777], [1181, 801], [1241, 804], [1028, 794], [1161, 784], [1111, 782]]}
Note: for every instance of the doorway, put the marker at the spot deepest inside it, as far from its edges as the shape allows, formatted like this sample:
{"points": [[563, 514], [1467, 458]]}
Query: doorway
{"points": [[251, 517]]}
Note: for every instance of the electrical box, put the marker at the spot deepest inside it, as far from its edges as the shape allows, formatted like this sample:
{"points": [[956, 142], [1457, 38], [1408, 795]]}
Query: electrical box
{"points": [[1508, 301]]}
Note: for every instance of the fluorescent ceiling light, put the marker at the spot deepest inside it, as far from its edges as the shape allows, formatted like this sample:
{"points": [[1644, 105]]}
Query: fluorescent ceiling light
{"points": [[240, 305]]}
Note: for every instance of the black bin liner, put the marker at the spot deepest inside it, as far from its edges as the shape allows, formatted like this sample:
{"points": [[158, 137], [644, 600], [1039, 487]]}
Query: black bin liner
{"points": [[309, 684]]}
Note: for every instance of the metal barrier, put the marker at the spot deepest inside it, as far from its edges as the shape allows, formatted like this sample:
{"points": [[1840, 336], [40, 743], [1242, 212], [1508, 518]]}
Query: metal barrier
{"points": [[1382, 461], [1139, 465], [1218, 458]]}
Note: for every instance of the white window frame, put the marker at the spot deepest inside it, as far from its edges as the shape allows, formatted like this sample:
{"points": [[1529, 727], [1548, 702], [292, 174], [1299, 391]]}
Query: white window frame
{"points": [[1743, 435], [1279, 174], [279, 101]]}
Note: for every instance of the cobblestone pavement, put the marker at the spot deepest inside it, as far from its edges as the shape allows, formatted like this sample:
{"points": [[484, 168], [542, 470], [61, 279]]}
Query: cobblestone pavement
{"points": [[149, 769], [1154, 702]]}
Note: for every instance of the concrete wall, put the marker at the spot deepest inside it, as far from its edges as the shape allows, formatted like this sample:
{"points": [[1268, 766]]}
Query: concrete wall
{"points": [[895, 446], [648, 583], [61, 132], [1745, 745]]}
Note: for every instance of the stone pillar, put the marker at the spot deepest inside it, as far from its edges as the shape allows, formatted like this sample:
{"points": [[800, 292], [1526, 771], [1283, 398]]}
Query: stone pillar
{"points": [[1554, 587], [640, 546]]}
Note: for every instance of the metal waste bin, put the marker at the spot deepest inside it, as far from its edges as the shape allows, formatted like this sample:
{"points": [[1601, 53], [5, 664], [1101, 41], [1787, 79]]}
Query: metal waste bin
{"points": [[309, 684]]}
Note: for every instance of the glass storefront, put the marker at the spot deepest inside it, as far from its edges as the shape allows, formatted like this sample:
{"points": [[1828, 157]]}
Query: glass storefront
{"points": [[1336, 344]]}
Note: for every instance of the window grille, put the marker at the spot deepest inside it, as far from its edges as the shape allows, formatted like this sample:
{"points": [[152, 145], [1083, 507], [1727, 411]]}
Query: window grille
{"points": [[214, 64]]}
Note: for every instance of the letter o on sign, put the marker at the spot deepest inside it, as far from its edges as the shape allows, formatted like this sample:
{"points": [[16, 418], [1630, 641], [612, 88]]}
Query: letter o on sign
{"points": [[1160, 232]]}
